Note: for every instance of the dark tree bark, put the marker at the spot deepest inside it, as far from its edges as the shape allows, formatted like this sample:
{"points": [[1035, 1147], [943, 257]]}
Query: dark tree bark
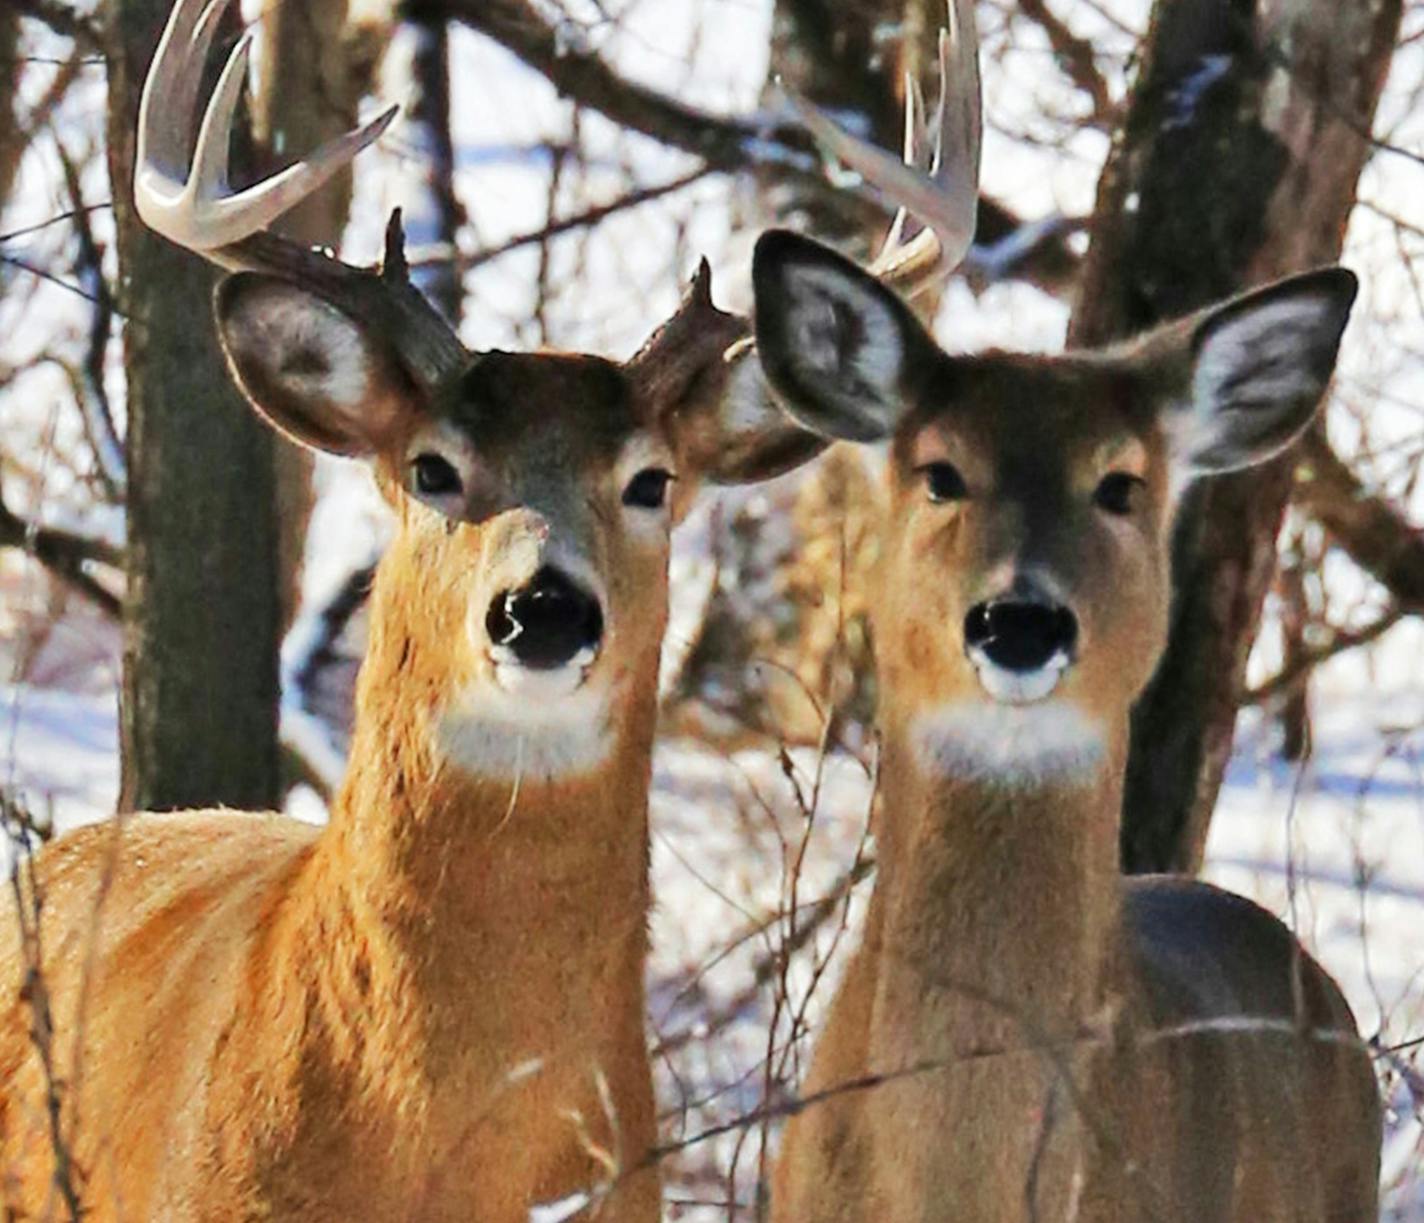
{"points": [[12, 141], [441, 213], [1243, 144], [201, 623]]}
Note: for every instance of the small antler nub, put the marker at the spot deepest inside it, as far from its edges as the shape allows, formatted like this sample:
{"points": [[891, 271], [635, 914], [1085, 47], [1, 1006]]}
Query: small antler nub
{"points": [[393, 262]]}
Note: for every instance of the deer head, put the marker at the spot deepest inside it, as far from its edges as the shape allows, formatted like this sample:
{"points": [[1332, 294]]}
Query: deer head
{"points": [[1024, 576], [534, 492]]}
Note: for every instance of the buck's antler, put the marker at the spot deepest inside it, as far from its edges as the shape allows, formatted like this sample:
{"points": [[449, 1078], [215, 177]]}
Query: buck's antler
{"points": [[181, 191], [937, 182]]}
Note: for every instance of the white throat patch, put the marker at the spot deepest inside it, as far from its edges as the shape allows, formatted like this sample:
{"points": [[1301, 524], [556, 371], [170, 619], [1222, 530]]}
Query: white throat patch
{"points": [[1018, 746], [531, 725]]}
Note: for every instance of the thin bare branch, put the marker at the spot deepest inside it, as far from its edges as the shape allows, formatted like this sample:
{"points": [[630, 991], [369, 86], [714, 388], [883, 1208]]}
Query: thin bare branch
{"points": [[90, 391], [1075, 56], [1374, 533], [582, 220], [64, 554], [1304, 664]]}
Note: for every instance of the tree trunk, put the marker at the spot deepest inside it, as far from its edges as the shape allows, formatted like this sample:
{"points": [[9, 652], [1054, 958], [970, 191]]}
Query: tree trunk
{"points": [[1244, 142], [312, 81], [201, 620], [12, 140]]}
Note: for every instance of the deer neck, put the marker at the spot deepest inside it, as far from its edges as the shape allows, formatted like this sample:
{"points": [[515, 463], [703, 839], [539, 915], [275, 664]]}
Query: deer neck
{"points": [[997, 905], [989, 956], [501, 921]]}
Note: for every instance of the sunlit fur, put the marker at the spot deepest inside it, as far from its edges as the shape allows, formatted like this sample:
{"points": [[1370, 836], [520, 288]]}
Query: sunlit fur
{"points": [[432, 1009], [993, 1053]]}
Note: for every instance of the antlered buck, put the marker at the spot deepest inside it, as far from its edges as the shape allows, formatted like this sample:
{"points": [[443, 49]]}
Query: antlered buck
{"points": [[432, 1008], [1045, 1040]]}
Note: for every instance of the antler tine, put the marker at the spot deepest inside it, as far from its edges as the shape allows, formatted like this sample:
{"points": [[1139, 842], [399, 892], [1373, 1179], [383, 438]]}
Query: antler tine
{"points": [[945, 199], [194, 207], [175, 75], [918, 151]]}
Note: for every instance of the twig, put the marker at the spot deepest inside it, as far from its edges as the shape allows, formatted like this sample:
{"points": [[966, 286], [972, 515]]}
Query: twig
{"points": [[58, 219], [39, 273], [34, 992], [1075, 56], [93, 398], [64, 554], [1306, 661], [429, 112], [582, 220]]}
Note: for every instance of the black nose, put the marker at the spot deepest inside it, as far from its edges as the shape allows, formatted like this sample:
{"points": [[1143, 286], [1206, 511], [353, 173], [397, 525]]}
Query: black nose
{"points": [[1019, 635], [547, 622]]}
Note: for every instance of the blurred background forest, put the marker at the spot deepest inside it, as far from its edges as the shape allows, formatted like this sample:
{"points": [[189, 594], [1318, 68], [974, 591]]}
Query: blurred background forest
{"points": [[181, 592]]}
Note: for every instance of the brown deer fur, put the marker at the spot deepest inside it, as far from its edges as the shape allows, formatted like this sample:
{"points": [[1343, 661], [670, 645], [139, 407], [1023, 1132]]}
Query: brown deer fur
{"points": [[1021, 1004]]}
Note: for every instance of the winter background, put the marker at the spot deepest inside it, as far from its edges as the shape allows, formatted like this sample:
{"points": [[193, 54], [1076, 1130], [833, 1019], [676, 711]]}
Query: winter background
{"points": [[753, 848]]}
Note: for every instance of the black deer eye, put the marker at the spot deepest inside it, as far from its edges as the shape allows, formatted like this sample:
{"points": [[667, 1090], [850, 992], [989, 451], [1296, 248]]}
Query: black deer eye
{"points": [[944, 482], [1116, 492], [648, 489], [435, 476]]}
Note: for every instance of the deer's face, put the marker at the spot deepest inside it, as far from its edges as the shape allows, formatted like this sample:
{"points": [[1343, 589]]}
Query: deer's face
{"points": [[540, 482], [535, 495], [1023, 588], [535, 506], [1024, 561]]}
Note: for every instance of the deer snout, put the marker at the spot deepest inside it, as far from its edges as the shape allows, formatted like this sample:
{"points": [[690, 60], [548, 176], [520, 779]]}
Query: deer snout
{"points": [[547, 623], [1020, 645]]}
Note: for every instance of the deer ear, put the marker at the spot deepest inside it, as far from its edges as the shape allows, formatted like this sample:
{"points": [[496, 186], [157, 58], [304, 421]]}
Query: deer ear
{"points": [[739, 434], [309, 369], [1259, 366], [835, 343], [699, 374]]}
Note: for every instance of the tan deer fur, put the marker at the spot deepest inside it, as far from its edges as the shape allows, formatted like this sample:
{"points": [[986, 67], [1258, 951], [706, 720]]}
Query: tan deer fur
{"points": [[433, 1007], [1008, 1041]]}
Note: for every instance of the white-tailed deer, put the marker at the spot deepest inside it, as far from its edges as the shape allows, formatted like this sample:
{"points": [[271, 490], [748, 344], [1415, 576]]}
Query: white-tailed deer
{"points": [[1046, 1041], [433, 1007]]}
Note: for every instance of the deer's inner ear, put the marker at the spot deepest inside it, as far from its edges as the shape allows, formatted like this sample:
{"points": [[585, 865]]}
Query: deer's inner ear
{"points": [[310, 369], [835, 342], [1259, 366]]}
